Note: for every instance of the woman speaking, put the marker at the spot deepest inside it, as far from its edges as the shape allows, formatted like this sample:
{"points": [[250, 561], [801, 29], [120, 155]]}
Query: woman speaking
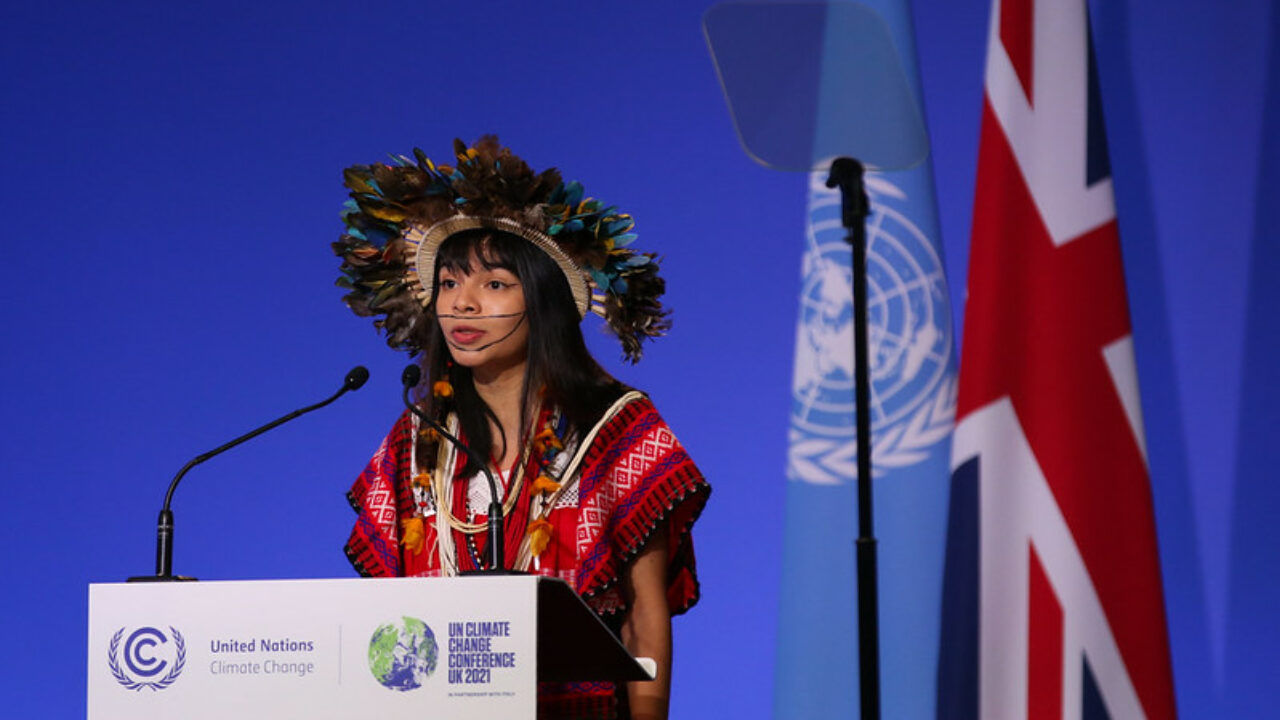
{"points": [[484, 270]]}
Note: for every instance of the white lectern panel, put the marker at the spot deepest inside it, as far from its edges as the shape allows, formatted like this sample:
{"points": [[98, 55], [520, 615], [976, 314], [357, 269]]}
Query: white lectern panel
{"points": [[397, 648]]}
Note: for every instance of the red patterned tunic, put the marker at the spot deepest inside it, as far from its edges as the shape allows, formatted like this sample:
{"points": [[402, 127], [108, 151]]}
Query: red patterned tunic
{"points": [[634, 478]]}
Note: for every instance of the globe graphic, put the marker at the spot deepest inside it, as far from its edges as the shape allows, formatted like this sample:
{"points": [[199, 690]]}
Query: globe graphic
{"points": [[402, 656]]}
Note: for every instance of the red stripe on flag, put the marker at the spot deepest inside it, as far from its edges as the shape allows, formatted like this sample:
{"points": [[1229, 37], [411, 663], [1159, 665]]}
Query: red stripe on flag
{"points": [[1016, 35], [1036, 321], [1044, 647]]}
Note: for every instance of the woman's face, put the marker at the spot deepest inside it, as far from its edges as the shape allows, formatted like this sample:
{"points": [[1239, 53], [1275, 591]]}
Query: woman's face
{"points": [[482, 315]]}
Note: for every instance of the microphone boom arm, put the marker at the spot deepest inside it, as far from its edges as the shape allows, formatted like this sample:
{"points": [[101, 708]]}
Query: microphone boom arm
{"points": [[164, 527]]}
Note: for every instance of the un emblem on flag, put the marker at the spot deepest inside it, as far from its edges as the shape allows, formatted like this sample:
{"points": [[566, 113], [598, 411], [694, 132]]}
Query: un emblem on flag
{"points": [[909, 329]]}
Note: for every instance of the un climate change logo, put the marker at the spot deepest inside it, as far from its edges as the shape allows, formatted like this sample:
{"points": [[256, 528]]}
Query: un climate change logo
{"points": [[909, 329], [147, 653], [402, 656]]}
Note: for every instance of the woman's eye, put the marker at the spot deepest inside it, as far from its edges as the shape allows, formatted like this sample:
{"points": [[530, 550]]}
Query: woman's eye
{"points": [[448, 284], [496, 284]]}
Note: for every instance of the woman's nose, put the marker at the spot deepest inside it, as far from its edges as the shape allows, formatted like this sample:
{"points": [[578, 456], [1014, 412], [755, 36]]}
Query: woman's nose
{"points": [[464, 300]]}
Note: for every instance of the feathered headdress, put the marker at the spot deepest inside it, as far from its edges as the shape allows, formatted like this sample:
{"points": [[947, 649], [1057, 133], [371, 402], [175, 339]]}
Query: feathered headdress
{"points": [[399, 214]]}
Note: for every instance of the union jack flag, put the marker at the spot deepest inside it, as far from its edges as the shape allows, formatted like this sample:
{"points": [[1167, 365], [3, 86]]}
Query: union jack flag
{"points": [[1052, 596]]}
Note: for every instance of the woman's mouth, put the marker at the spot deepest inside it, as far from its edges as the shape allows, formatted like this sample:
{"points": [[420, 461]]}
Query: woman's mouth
{"points": [[464, 335]]}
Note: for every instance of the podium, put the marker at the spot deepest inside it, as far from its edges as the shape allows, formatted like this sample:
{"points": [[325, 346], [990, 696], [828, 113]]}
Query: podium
{"points": [[473, 647]]}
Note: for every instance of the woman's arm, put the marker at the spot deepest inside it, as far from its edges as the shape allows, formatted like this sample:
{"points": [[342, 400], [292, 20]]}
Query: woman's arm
{"points": [[646, 630]]}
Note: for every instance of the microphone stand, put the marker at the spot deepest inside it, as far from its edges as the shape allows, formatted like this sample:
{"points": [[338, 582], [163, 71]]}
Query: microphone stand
{"points": [[497, 560], [164, 528], [846, 173]]}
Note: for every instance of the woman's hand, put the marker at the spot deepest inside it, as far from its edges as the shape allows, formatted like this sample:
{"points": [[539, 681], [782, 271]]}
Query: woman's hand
{"points": [[646, 630]]}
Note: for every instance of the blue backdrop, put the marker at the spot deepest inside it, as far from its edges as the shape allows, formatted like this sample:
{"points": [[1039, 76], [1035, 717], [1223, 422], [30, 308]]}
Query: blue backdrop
{"points": [[171, 181]]}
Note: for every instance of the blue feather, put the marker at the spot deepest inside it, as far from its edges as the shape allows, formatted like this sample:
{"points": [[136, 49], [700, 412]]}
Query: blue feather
{"points": [[573, 193], [614, 227]]}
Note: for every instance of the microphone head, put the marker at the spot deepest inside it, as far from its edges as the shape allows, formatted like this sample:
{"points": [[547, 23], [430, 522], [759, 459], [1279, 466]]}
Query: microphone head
{"points": [[356, 379], [411, 375]]}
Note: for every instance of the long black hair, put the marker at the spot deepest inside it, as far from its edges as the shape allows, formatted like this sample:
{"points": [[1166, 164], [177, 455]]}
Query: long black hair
{"points": [[559, 369]]}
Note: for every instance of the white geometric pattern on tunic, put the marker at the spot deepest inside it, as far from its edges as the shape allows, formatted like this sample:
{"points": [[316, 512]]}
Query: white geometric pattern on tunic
{"points": [[625, 475], [380, 499]]}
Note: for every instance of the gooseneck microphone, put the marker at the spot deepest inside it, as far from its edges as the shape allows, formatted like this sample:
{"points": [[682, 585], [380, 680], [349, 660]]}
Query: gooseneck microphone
{"points": [[497, 565], [354, 380]]}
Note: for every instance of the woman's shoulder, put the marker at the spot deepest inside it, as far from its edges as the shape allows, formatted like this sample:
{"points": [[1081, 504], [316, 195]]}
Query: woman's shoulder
{"points": [[401, 434], [404, 423], [632, 419], [629, 406]]}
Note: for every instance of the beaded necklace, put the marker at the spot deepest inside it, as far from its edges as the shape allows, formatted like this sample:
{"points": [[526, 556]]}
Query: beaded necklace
{"points": [[545, 446]]}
